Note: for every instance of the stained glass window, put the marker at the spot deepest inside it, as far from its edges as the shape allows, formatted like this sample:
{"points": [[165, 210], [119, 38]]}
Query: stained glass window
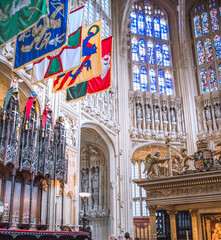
{"points": [[157, 27], [212, 79], [166, 55], [99, 9], [136, 78], [209, 50], [219, 72], [169, 83], [200, 52], [140, 20], [197, 26], [150, 49], [162, 88], [149, 26], [204, 80], [159, 54], [214, 19], [205, 23], [142, 50], [133, 23], [143, 78], [153, 80], [135, 50], [217, 44], [163, 27]]}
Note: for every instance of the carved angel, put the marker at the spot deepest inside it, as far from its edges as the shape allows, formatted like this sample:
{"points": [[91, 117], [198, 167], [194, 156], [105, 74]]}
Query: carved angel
{"points": [[152, 164]]}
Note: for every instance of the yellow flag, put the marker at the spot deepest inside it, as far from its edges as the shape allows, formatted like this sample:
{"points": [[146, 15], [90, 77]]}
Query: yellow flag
{"points": [[90, 61]]}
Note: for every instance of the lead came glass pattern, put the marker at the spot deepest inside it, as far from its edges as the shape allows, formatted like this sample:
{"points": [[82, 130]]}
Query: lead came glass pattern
{"points": [[212, 79], [140, 20], [143, 78], [142, 50], [219, 72], [206, 16], [217, 44], [205, 23], [150, 48], [197, 26], [201, 54]]}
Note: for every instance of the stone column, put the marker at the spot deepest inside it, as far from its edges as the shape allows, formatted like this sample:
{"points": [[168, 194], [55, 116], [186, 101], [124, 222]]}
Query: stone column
{"points": [[153, 229], [173, 224], [194, 217]]}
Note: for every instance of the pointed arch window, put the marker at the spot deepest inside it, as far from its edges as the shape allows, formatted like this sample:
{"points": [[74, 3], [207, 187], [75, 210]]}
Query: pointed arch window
{"points": [[150, 48], [206, 19]]}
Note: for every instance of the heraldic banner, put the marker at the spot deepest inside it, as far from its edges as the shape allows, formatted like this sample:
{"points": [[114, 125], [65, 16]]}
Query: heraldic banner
{"points": [[90, 62], [46, 37], [16, 16], [97, 84], [66, 59]]}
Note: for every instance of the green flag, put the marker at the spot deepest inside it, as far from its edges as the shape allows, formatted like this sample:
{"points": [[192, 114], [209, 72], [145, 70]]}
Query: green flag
{"points": [[18, 15]]}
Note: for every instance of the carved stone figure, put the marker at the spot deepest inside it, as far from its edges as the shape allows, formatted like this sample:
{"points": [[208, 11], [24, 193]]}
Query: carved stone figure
{"points": [[217, 111], [95, 188], [152, 164], [14, 83], [156, 113], [164, 114], [208, 114], [84, 180], [173, 115], [148, 113], [95, 181], [181, 165], [139, 112]]}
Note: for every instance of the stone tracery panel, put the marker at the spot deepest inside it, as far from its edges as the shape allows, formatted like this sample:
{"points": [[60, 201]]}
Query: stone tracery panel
{"points": [[154, 116]]}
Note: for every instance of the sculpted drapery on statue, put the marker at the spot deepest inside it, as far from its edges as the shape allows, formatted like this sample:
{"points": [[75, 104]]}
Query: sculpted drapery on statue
{"points": [[95, 187], [84, 181], [181, 165], [152, 165]]}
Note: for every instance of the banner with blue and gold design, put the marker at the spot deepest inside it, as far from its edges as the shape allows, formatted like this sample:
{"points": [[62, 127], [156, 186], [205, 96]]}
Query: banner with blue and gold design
{"points": [[46, 37], [90, 61], [17, 16]]}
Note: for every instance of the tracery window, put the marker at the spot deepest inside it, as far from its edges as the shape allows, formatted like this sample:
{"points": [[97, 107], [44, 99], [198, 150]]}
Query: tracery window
{"points": [[206, 20], [138, 194], [99, 9], [150, 49]]}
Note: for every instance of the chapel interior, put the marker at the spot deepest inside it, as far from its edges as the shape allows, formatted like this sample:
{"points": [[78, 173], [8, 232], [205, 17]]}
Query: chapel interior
{"points": [[148, 149]]}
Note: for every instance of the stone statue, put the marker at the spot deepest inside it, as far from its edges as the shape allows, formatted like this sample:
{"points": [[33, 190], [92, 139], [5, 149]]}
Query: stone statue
{"points": [[148, 113], [217, 111], [164, 114], [152, 164], [84, 180], [172, 114], [208, 114], [139, 112], [156, 114], [181, 165], [95, 188]]}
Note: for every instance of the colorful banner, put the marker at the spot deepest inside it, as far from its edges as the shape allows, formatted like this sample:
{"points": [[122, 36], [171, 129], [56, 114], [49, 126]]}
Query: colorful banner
{"points": [[46, 37], [90, 62], [65, 59], [98, 84], [16, 16]]}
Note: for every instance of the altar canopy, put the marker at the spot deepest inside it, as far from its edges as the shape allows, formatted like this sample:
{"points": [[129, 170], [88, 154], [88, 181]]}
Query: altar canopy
{"points": [[17, 16], [46, 37]]}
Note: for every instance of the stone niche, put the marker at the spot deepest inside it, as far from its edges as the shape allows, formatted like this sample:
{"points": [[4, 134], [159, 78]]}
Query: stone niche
{"points": [[94, 178]]}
